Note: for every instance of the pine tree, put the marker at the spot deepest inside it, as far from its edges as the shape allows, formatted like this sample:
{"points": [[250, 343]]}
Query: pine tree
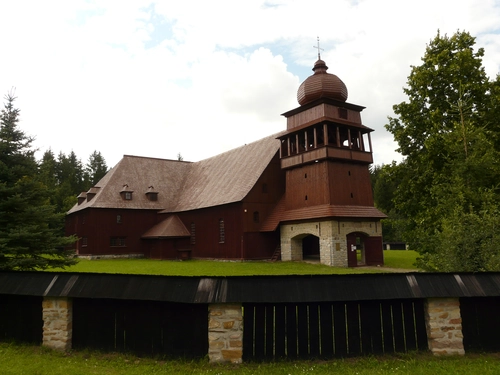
{"points": [[96, 168], [30, 231]]}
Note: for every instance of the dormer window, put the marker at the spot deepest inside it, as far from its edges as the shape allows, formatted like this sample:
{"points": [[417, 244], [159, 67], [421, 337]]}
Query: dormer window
{"points": [[82, 197], [152, 194], [91, 193], [126, 193]]}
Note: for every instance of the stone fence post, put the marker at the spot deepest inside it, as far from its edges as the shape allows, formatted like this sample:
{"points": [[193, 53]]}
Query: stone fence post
{"points": [[57, 322], [444, 326], [225, 333]]}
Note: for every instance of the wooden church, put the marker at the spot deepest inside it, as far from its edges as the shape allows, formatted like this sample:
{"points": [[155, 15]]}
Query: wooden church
{"points": [[304, 193]]}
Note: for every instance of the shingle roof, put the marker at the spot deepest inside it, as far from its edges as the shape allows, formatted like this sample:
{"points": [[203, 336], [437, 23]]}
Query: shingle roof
{"points": [[139, 174], [280, 214], [330, 210], [171, 227], [181, 186], [227, 177]]}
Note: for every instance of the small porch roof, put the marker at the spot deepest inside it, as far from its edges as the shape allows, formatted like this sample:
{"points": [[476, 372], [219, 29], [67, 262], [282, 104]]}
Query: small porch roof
{"points": [[171, 227]]}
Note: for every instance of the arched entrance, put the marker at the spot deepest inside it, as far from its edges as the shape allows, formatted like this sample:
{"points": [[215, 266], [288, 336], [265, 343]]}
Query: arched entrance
{"points": [[310, 248], [304, 247], [356, 250]]}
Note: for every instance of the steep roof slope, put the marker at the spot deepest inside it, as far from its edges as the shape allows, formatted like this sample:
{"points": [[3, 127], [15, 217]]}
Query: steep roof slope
{"points": [[227, 177], [138, 174]]}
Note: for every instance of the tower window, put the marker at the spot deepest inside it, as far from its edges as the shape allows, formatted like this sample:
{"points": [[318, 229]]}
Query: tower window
{"points": [[256, 217], [222, 233], [343, 113], [306, 197]]}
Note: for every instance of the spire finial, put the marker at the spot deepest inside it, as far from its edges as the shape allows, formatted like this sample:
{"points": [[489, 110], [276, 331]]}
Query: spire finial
{"points": [[319, 49]]}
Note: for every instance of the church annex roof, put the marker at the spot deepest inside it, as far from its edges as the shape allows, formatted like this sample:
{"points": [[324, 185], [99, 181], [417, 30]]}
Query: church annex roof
{"points": [[171, 227]]}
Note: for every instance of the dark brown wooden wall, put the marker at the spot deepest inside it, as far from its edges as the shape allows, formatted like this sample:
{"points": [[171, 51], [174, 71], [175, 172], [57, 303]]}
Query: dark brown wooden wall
{"points": [[348, 184], [167, 248], [260, 245], [207, 244], [238, 244], [307, 181], [346, 179], [263, 197], [374, 251], [99, 225]]}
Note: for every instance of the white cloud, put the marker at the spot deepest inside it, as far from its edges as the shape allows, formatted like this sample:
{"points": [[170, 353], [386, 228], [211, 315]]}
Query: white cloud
{"points": [[155, 78]]}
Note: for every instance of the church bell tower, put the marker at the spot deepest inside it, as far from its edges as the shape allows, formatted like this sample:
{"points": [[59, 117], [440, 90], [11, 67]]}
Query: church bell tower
{"points": [[326, 152]]}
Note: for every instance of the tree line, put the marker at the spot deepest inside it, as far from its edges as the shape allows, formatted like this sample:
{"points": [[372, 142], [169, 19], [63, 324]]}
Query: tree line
{"points": [[35, 195], [443, 199]]}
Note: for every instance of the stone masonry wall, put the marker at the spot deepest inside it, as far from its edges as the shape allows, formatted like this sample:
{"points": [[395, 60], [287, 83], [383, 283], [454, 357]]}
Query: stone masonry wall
{"points": [[444, 326], [225, 333], [332, 235], [57, 323]]}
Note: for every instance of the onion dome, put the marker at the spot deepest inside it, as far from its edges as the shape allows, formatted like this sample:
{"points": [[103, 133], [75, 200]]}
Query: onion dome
{"points": [[321, 85]]}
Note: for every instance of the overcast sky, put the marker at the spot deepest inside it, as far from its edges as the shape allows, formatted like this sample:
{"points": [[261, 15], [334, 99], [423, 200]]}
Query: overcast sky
{"points": [[158, 78]]}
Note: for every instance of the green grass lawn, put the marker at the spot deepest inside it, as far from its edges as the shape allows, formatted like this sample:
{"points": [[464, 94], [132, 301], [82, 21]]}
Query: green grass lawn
{"points": [[35, 360], [400, 259], [393, 259]]}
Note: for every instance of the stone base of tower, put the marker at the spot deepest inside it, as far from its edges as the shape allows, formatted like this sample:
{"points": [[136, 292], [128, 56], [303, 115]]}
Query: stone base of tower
{"points": [[337, 242]]}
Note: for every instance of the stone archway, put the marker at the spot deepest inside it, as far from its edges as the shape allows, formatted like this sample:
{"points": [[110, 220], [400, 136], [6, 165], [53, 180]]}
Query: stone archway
{"points": [[335, 240], [317, 238], [311, 248], [296, 252]]}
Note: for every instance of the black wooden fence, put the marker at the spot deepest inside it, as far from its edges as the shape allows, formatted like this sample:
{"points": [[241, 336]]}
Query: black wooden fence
{"points": [[326, 330], [481, 323], [21, 319], [284, 317], [141, 327]]}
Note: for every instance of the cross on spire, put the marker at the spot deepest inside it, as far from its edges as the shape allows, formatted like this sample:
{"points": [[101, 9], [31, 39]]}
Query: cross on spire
{"points": [[319, 49]]}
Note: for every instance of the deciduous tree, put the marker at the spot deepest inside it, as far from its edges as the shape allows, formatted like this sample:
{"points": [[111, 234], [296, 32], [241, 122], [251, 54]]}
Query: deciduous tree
{"points": [[449, 139]]}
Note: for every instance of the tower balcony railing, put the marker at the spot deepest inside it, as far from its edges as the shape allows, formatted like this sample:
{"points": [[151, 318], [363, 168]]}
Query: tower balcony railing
{"points": [[326, 153]]}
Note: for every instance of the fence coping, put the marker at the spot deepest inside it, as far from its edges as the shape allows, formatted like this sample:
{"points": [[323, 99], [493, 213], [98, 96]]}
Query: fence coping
{"points": [[251, 289]]}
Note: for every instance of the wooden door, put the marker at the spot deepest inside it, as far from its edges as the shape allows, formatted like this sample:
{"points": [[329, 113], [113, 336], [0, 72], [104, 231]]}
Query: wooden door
{"points": [[352, 260]]}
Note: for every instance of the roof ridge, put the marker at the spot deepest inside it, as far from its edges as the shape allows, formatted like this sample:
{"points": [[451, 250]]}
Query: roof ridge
{"points": [[155, 158]]}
